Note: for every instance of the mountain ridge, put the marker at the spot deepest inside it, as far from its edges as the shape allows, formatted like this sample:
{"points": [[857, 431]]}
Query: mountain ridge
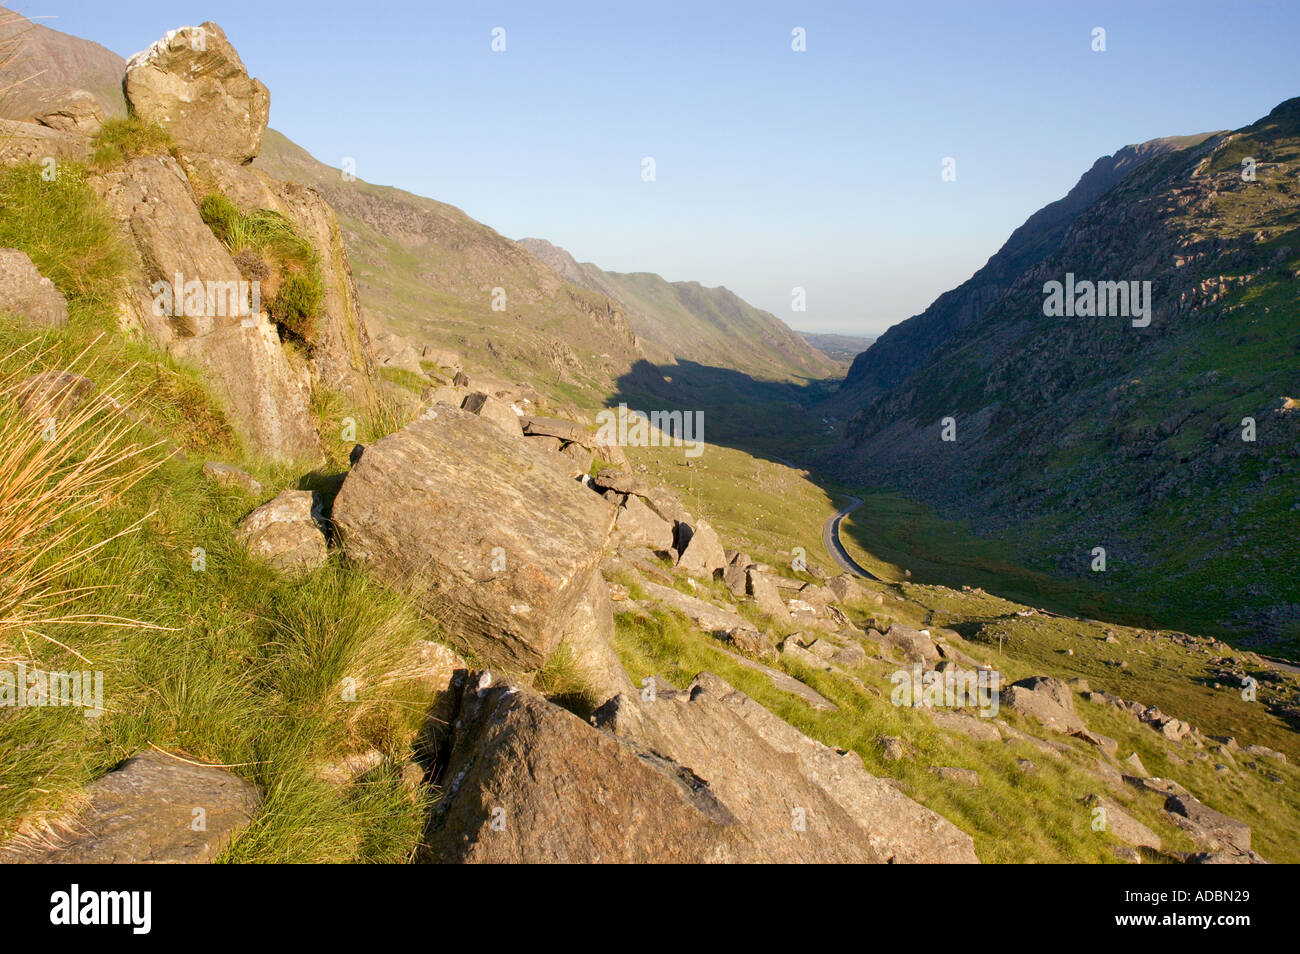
{"points": [[1076, 433], [691, 321], [904, 347]]}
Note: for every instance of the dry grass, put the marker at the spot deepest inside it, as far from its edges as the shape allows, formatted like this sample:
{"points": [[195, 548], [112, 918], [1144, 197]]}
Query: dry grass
{"points": [[65, 455]]}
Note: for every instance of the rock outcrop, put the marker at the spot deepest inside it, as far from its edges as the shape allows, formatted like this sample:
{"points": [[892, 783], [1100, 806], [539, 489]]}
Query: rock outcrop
{"points": [[193, 84], [27, 293], [266, 395], [704, 775], [287, 532], [477, 524], [589, 635], [525, 781], [146, 812]]}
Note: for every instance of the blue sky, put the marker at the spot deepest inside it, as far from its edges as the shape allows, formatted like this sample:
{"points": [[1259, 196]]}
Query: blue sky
{"points": [[774, 168]]}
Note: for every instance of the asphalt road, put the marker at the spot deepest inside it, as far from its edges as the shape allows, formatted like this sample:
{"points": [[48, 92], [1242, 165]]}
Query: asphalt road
{"points": [[831, 540]]}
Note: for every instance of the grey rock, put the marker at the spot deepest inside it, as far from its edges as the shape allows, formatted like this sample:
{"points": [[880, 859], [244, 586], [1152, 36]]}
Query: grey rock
{"points": [[589, 635], [491, 409], [1210, 829], [480, 528], [702, 555], [193, 84], [639, 526], [287, 532], [899, 829], [145, 812], [1123, 825], [25, 292], [225, 475], [528, 782]]}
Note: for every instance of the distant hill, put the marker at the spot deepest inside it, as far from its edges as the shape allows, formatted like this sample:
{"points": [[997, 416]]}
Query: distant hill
{"points": [[685, 320], [51, 61], [842, 348], [428, 270]]}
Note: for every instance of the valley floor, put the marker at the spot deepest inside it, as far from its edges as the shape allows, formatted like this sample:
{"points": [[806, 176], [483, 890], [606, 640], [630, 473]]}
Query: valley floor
{"points": [[928, 574]]}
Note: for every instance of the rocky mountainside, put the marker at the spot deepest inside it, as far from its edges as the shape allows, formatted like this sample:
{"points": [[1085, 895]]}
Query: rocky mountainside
{"points": [[1171, 440], [51, 66], [430, 272], [685, 320], [197, 118], [904, 348]]}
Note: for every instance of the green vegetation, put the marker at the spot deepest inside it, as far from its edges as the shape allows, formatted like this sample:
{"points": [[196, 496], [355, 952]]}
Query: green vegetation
{"points": [[1014, 816], [205, 652], [300, 288], [120, 140], [67, 233], [899, 539]]}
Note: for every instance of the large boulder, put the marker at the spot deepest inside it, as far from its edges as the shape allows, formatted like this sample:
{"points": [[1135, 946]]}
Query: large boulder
{"points": [[1123, 825], [1046, 700], [494, 410], [845, 589], [801, 800], [74, 111], [266, 394], [287, 532], [1210, 829], [32, 142], [146, 812], [897, 828], [766, 595], [193, 84], [492, 541], [789, 817], [27, 293], [701, 551], [915, 645], [528, 782], [639, 526], [342, 354]]}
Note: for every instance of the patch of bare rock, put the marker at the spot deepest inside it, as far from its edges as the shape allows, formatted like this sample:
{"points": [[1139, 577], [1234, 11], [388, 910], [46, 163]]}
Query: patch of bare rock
{"points": [[145, 812], [701, 775]]}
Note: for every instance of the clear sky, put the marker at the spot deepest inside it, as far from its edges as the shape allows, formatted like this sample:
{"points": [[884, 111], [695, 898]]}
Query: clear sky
{"points": [[775, 169]]}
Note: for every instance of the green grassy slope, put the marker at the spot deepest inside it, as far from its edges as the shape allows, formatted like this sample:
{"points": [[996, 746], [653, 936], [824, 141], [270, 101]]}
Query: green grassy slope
{"points": [[428, 270]]}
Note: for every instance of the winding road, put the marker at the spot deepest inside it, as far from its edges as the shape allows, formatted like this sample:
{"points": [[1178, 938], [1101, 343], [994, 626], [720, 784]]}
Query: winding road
{"points": [[831, 540]]}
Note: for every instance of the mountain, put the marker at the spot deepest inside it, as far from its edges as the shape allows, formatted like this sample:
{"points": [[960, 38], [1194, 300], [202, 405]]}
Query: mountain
{"points": [[49, 62], [371, 632], [905, 347], [1173, 445], [428, 270], [685, 320]]}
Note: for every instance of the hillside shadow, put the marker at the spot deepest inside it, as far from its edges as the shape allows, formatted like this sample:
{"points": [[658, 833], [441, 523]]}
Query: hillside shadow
{"points": [[774, 420]]}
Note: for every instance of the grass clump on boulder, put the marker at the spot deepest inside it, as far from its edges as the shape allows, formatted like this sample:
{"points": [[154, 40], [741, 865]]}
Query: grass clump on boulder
{"points": [[266, 245], [120, 140]]}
